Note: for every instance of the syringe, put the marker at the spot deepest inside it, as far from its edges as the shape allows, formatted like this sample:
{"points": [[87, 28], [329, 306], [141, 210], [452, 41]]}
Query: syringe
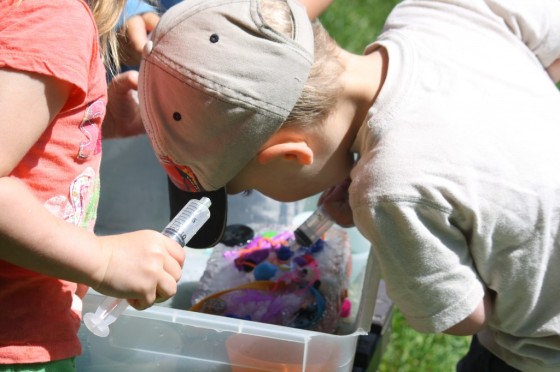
{"points": [[313, 227], [181, 229]]}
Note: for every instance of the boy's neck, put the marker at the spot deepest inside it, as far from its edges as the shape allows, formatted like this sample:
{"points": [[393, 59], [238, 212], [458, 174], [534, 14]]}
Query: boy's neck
{"points": [[363, 79]]}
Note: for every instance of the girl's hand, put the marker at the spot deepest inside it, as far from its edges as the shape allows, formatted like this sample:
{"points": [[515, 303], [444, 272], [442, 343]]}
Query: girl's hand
{"points": [[142, 266], [335, 203]]}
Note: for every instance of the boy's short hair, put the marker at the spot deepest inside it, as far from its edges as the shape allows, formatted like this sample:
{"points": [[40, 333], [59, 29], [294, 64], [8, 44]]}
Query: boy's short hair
{"points": [[216, 81], [323, 86]]}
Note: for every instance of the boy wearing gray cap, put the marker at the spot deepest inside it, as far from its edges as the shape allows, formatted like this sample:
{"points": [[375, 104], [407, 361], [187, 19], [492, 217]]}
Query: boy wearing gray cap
{"points": [[447, 127]]}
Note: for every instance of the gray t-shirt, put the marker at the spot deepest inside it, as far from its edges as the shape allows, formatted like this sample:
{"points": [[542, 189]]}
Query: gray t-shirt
{"points": [[458, 181]]}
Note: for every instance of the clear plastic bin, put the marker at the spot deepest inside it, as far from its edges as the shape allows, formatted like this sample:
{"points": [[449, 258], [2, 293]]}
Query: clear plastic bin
{"points": [[166, 338]]}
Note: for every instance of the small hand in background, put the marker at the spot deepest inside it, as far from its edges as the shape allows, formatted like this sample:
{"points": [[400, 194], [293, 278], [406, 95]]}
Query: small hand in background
{"points": [[133, 36], [123, 112], [335, 202]]}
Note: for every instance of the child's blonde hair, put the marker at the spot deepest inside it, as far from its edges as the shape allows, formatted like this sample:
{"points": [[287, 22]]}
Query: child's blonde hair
{"points": [[106, 14], [323, 84]]}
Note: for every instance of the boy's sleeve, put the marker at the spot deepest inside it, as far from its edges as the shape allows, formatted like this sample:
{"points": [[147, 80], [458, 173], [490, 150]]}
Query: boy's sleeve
{"points": [[425, 261], [535, 22]]}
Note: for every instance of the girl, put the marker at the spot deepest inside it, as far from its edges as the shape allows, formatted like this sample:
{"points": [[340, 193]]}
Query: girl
{"points": [[53, 99]]}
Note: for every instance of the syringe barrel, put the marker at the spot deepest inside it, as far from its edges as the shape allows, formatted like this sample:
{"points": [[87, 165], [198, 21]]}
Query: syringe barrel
{"points": [[181, 229], [313, 228], [188, 221]]}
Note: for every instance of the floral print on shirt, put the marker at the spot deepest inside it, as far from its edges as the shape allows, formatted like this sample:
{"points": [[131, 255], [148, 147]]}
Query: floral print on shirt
{"points": [[92, 130], [80, 208]]}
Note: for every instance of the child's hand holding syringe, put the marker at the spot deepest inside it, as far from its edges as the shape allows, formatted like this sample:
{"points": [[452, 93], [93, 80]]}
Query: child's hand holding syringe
{"points": [[181, 229]]}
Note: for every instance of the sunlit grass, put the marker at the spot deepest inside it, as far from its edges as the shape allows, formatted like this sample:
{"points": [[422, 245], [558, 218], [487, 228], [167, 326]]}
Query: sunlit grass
{"points": [[355, 23], [410, 351]]}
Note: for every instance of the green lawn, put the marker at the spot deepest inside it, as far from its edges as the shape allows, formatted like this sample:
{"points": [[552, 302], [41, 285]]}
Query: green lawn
{"points": [[354, 24], [410, 351]]}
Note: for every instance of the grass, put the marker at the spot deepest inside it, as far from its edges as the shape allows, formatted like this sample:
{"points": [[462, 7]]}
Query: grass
{"points": [[354, 24], [410, 351]]}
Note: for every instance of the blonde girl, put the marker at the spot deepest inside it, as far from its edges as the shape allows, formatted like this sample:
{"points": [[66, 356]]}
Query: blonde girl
{"points": [[53, 102]]}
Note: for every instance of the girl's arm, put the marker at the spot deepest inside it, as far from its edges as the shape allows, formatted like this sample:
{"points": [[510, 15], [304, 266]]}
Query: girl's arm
{"points": [[141, 266]]}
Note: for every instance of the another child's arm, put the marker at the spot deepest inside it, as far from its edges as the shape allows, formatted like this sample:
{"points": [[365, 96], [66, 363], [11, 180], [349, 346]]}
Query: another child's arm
{"points": [[123, 117], [140, 266], [138, 20], [335, 202]]}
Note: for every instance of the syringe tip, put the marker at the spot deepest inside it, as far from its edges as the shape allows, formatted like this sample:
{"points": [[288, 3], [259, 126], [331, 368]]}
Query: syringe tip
{"points": [[205, 201]]}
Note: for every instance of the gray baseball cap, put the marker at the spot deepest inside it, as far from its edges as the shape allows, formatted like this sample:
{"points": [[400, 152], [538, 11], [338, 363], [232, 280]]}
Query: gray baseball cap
{"points": [[216, 81]]}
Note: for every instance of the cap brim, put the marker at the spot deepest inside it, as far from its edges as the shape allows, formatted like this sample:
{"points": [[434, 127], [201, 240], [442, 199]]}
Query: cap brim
{"points": [[212, 231]]}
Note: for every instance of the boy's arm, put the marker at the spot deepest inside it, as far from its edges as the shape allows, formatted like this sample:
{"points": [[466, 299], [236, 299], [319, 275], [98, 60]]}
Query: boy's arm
{"points": [[476, 321], [426, 263]]}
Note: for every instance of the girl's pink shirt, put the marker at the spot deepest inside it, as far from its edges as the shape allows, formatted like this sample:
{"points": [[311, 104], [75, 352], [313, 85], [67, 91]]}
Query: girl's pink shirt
{"points": [[40, 315]]}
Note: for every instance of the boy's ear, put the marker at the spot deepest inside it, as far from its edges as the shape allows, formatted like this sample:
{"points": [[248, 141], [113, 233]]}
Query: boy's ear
{"points": [[298, 151]]}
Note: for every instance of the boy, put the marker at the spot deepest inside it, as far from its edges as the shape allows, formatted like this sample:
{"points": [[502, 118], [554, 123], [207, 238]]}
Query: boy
{"points": [[132, 161], [451, 116]]}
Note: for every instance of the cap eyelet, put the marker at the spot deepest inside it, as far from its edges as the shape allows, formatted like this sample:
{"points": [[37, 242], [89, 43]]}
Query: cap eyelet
{"points": [[214, 38], [176, 116]]}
